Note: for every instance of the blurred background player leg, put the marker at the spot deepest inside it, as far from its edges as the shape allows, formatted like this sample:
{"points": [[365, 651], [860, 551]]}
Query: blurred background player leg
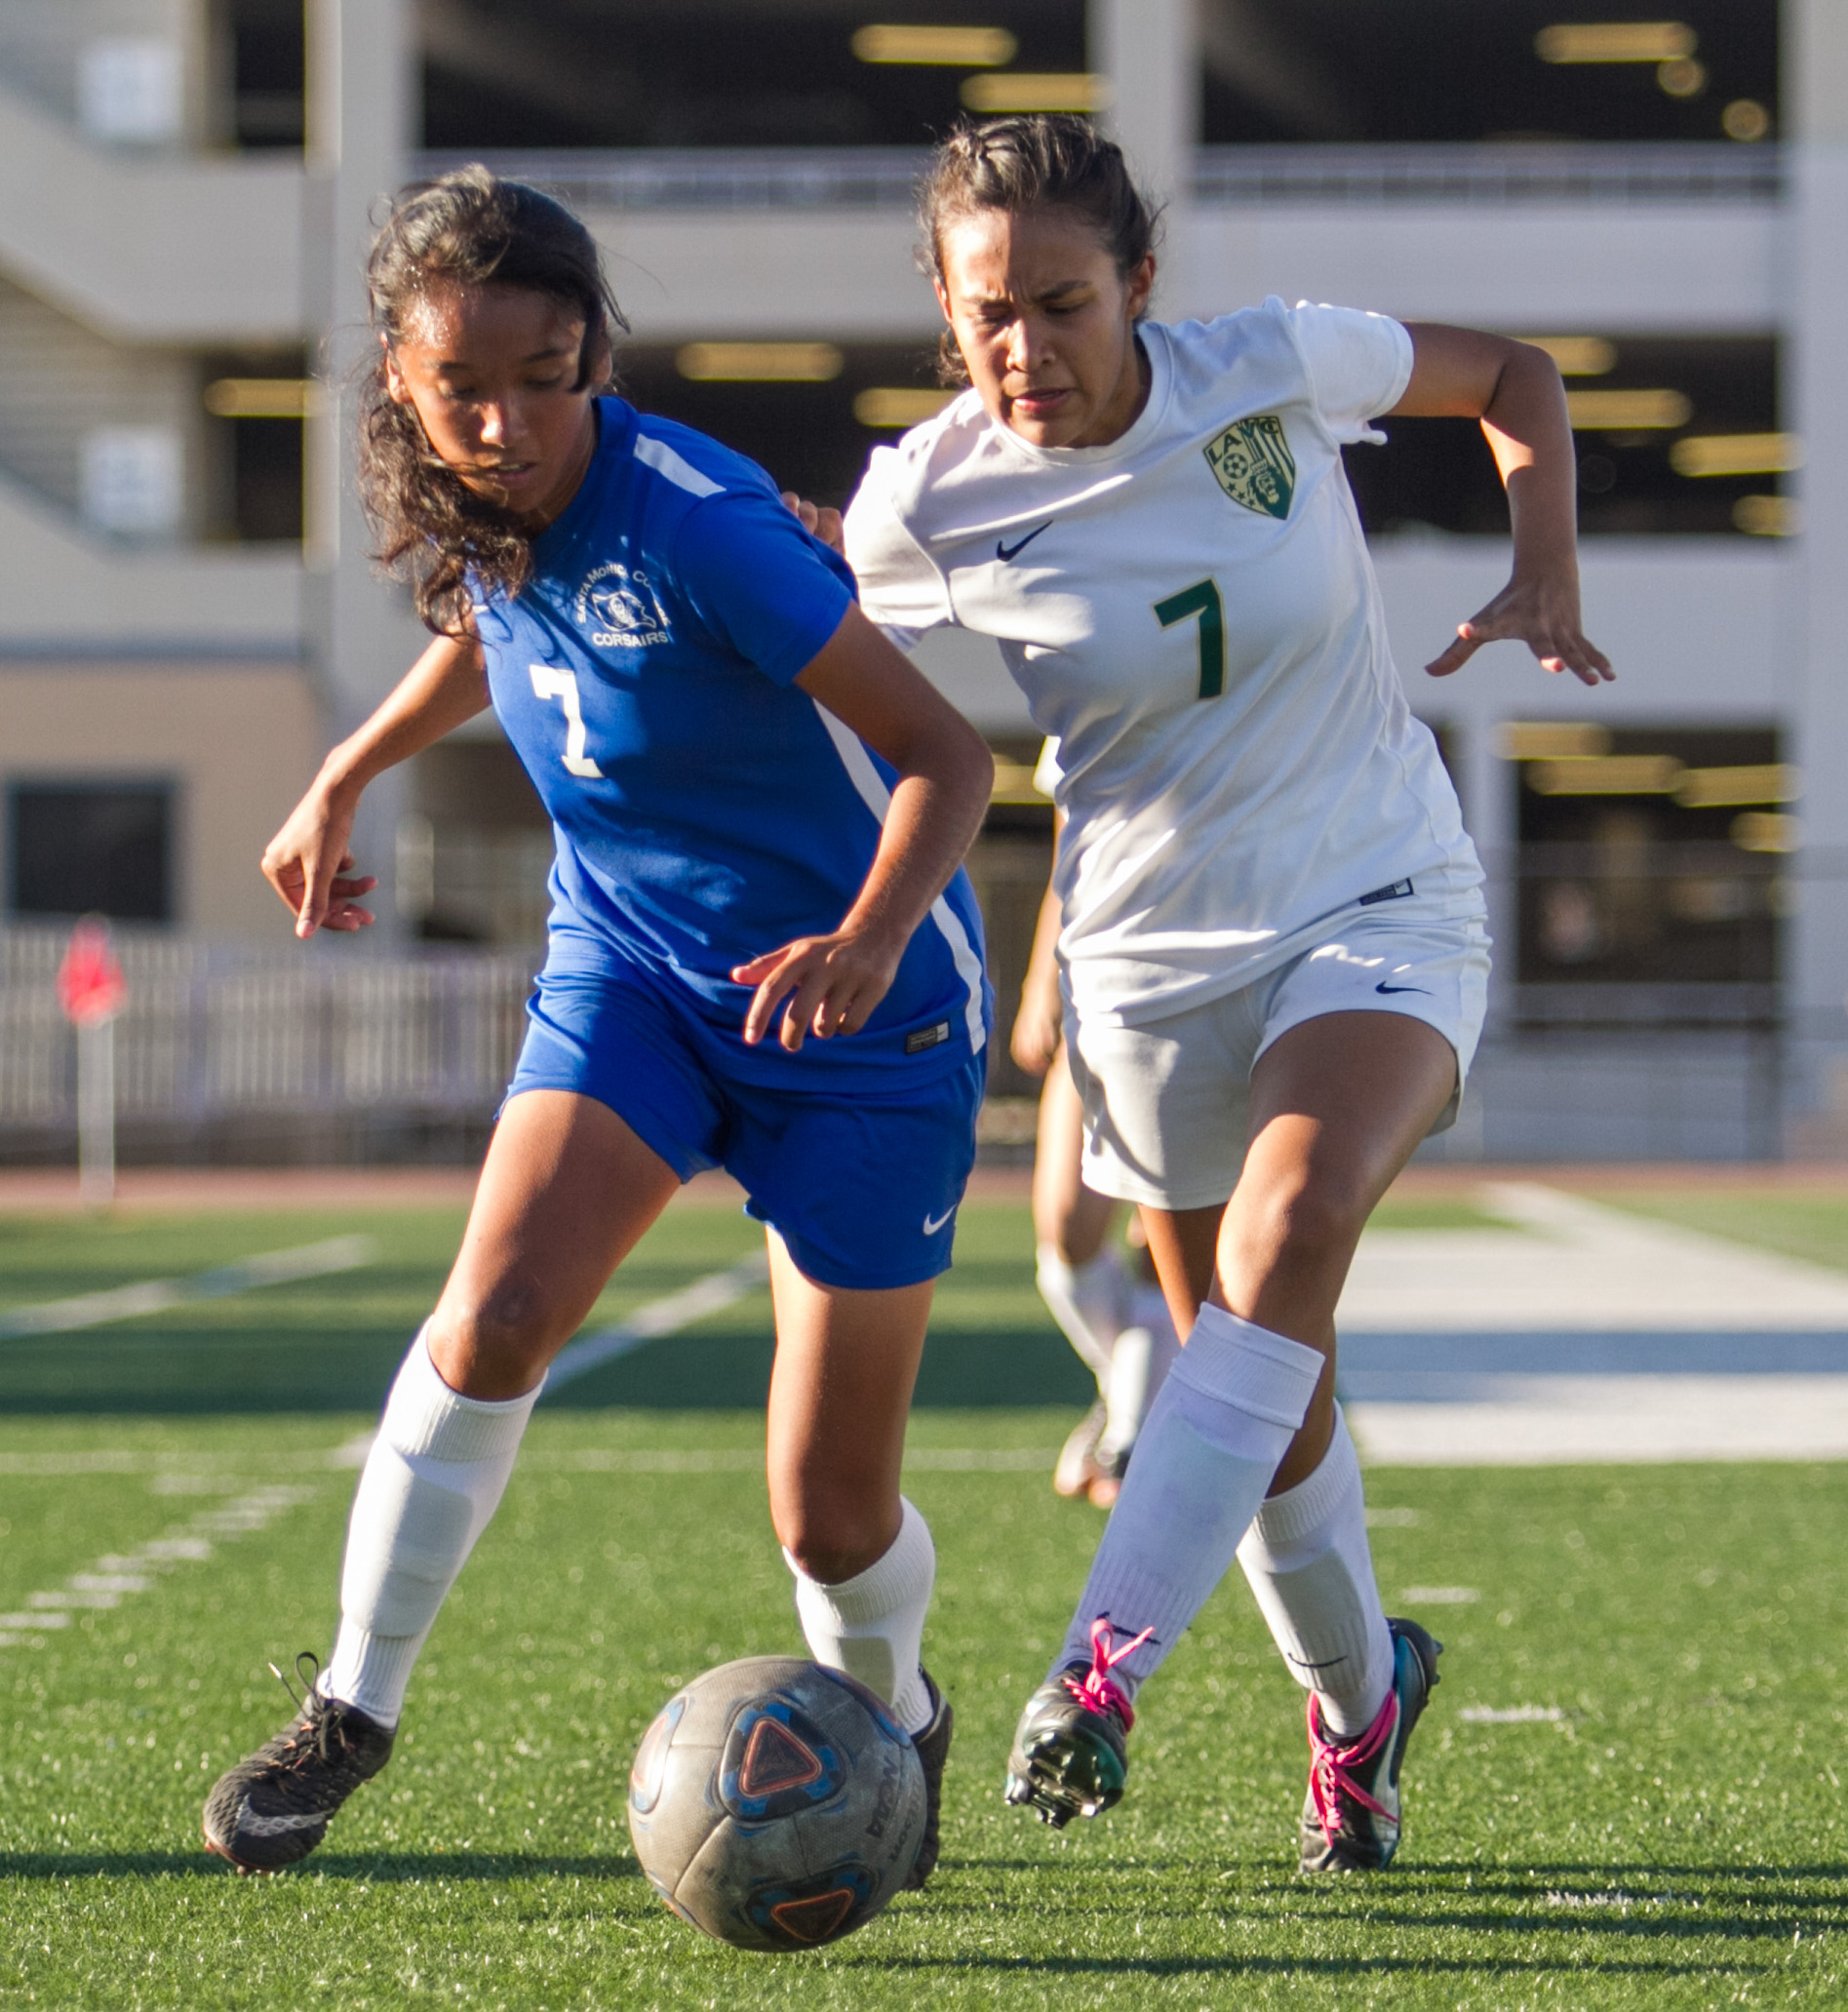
{"points": [[1118, 1327]]}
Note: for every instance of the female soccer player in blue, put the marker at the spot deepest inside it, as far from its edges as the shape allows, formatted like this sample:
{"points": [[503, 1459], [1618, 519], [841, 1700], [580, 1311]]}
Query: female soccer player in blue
{"points": [[762, 955]]}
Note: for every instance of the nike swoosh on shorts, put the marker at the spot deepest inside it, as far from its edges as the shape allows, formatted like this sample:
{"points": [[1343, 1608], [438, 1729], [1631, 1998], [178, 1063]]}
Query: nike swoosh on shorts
{"points": [[933, 1223]]}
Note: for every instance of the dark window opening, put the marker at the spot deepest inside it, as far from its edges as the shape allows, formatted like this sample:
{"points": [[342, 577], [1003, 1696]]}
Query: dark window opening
{"points": [[92, 849], [704, 73], [1653, 857], [1447, 70], [265, 67], [1438, 473], [266, 479]]}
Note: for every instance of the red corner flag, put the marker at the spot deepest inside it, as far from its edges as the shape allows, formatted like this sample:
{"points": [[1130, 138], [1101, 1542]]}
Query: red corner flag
{"points": [[91, 987]]}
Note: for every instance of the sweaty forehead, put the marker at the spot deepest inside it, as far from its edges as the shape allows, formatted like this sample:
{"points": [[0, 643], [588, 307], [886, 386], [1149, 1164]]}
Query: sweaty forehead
{"points": [[458, 322], [992, 252]]}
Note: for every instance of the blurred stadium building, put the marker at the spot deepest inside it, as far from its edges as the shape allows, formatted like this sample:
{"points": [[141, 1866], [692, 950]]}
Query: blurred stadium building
{"points": [[186, 611]]}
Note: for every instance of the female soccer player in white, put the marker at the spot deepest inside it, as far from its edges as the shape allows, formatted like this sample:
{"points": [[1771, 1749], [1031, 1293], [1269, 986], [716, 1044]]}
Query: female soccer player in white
{"points": [[760, 808], [1273, 948]]}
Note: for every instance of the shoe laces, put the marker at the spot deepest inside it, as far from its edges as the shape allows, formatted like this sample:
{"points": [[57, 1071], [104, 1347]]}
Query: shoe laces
{"points": [[1333, 1765], [1098, 1691], [319, 1730]]}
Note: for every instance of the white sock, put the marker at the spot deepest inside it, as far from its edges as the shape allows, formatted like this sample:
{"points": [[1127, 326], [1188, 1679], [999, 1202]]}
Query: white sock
{"points": [[1087, 1302], [871, 1625], [1224, 1417], [1139, 1364], [1309, 1563], [431, 1483]]}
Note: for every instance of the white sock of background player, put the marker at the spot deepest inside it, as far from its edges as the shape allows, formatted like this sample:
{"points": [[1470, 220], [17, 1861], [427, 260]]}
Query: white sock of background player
{"points": [[1310, 1566], [871, 1625], [1139, 1364], [432, 1480], [1212, 1440], [1088, 1302]]}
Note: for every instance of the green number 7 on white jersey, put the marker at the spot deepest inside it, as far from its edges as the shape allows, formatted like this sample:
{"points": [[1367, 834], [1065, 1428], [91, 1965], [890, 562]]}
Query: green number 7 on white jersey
{"points": [[1202, 599], [549, 682]]}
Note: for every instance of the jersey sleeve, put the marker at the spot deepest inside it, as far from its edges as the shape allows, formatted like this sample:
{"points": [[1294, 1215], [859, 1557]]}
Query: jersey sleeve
{"points": [[760, 583], [899, 587], [1358, 365]]}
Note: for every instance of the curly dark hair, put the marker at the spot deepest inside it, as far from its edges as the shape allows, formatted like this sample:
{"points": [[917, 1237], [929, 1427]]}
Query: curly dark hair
{"points": [[1019, 163], [470, 228]]}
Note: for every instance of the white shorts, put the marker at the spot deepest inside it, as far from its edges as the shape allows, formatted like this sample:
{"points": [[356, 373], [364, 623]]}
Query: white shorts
{"points": [[1165, 1103]]}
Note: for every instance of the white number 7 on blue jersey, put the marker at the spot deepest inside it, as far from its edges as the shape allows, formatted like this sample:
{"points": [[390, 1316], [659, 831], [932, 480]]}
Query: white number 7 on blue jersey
{"points": [[549, 682]]}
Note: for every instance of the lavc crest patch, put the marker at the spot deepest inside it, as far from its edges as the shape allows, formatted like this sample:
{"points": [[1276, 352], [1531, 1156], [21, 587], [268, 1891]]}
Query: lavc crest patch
{"points": [[1252, 462]]}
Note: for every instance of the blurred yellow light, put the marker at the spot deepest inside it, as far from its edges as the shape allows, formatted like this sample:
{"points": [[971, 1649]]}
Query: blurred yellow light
{"points": [[262, 398], [965, 48], [1608, 775], [1577, 356], [1767, 831], [1683, 77], [1768, 517], [1736, 453], [1627, 412], [1544, 740], [760, 362], [1037, 91], [888, 405], [1616, 41], [1015, 783], [1754, 783], [1745, 119]]}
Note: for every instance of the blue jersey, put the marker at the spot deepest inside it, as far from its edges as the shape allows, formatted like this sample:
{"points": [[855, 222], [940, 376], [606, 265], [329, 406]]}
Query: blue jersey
{"points": [[706, 809]]}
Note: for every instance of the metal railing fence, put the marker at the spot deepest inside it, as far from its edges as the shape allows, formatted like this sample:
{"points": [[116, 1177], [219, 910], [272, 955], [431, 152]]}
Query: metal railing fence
{"points": [[885, 178], [211, 1035]]}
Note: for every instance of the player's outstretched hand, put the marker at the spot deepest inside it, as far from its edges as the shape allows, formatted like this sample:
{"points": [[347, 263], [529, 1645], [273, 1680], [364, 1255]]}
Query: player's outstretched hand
{"points": [[1544, 614], [309, 866], [832, 984], [819, 523]]}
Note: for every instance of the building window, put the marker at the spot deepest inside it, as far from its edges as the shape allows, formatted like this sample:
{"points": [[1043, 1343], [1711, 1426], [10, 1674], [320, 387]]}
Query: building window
{"points": [[90, 848], [1654, 860]]}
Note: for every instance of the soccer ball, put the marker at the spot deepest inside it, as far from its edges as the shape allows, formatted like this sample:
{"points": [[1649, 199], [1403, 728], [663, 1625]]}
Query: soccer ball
{"points": [[775, 1804]]}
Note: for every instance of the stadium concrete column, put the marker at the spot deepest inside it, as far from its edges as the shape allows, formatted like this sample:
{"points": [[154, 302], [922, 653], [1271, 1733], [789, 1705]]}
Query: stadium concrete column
{"points": [[1149, 50], [360, 127], [1816, 125]]}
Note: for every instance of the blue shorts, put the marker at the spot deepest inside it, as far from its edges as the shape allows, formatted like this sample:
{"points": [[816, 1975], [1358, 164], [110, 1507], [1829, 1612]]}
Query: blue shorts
{"points": [[863, 1189]]}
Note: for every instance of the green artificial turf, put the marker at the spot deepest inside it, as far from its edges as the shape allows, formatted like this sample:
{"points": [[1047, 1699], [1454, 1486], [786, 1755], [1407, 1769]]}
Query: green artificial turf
{"points": [[1674, 1838], [1811, 1225]]}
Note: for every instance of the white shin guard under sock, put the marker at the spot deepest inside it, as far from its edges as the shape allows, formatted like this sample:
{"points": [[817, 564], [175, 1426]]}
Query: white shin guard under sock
{"points": [[1224, 1417], [1309, 1563], [1089, 1301], [431, 1483], [871, 1625]]}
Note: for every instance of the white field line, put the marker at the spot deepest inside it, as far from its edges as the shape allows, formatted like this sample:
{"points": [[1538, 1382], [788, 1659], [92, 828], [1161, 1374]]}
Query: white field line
{"points": [[711, 1294], [118, 1575], [157, 1295]]}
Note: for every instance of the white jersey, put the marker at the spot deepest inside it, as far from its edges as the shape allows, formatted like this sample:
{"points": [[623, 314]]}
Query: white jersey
{"points": [[1193, 616]]}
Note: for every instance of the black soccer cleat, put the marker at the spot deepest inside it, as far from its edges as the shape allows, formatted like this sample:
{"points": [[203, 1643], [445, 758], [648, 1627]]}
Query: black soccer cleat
{"points": [[933, 1749], [1351, 1814], [271, 1810], [1070, 1755]]}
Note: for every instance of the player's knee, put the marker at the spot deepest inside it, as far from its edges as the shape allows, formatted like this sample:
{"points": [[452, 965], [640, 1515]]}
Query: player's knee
{"points": [[511, 1323], [1302, 1228]]}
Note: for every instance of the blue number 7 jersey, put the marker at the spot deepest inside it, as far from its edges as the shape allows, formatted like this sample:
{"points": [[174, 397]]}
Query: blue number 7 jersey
{"points": [[706, 809]]}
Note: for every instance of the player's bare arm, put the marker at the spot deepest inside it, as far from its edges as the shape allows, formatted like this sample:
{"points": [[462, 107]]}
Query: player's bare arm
{"points": [[307, 862], [1514, 390], [832, 983]]}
